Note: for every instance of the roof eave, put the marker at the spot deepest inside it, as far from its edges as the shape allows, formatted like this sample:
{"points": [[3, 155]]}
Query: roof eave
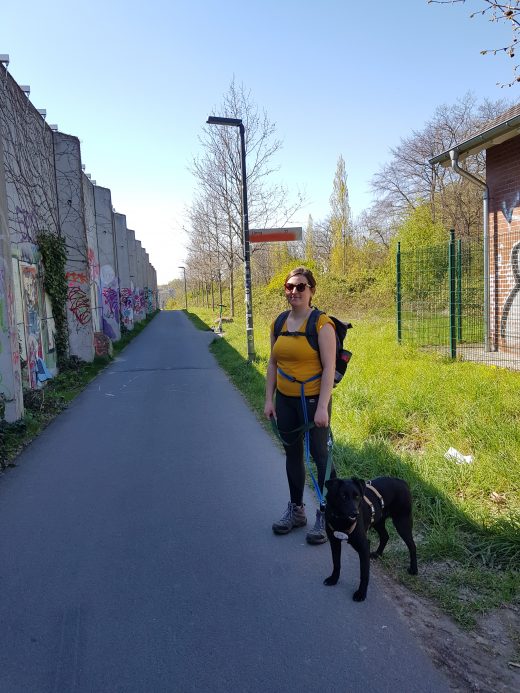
{"points": [[500, 133]]}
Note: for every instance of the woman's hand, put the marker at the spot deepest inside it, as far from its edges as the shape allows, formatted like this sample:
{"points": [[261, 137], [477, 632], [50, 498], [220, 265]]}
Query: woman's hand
{"points": [[321, 417], [269, 410]]}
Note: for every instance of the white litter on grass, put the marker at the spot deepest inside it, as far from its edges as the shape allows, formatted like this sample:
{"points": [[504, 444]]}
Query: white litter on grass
{"points": [[455, 456]]}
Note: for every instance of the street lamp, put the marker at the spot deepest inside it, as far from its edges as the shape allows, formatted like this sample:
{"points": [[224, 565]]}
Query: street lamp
{"points": [[185, 292], [237, 122]]}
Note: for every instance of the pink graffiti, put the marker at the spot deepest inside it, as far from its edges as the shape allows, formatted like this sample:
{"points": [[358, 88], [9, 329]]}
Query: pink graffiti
{"points": [[93, 264], [111, 301], [79, 304], [139, 302]]}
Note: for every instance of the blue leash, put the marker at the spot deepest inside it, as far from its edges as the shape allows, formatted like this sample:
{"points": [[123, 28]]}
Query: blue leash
{"points": [[306, 428]]}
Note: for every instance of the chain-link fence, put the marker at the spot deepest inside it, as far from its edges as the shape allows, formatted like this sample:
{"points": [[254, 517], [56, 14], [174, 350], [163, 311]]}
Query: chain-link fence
{"points": [[440, 299]]}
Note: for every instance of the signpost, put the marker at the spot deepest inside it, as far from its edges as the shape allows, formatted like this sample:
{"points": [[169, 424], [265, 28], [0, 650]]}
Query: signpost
{"points": [[269, 235]]}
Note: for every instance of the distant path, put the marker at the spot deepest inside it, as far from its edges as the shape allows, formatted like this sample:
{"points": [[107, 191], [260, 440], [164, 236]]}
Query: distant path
{"points": [[136, 552]]}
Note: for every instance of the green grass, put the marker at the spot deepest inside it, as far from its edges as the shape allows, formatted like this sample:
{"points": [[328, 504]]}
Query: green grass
{"points": [[397, 412], [42, 406]]}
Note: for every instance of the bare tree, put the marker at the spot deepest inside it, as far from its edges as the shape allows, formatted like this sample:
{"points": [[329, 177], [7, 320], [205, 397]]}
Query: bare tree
{"points": [[219, 178], [409, 181], [495, 12]]}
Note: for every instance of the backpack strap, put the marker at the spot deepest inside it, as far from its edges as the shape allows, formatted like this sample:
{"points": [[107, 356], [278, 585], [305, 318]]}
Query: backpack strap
{"points": [[278, 323], [311, 329]]}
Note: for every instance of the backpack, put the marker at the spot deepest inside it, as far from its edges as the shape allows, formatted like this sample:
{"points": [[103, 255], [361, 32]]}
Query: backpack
{"points": [[343, 356]]}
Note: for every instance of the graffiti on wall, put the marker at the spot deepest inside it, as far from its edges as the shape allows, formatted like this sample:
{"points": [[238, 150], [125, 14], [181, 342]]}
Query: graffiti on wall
{"points": [[127, 307], [78, 301], [510, 319], [32, 322], [139, 302], [9, 350], [110, 295]]}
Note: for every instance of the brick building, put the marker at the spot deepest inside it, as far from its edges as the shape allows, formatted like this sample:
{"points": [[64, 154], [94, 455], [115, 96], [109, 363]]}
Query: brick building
{"points": [[501, 189]]}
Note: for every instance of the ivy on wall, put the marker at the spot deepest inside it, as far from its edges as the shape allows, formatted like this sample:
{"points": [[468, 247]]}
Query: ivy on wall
{"points": [[52, 249]]}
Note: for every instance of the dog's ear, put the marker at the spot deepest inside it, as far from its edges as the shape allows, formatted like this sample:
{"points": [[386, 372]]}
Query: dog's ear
{"points": [[331, 484], [360, 484]]}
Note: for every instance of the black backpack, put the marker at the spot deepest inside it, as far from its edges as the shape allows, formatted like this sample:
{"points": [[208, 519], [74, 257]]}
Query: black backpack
{"points": [[343, 356]]}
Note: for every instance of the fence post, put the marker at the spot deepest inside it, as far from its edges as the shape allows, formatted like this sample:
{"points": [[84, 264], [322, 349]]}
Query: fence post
{"points": [[398, 291], [451, 268], [459, 290]]}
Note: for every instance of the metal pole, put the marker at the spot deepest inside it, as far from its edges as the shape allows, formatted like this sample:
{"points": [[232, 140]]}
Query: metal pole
{"points": [[451, 272], [459, 290], [398, 291], [185, 289], [247, 257]]}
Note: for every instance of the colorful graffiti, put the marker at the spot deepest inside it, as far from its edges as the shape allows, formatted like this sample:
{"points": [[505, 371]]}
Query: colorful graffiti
{"points": [[10, 376], [110, 302], [76, 278], [127, 307], [139, 302], [32, 321]]}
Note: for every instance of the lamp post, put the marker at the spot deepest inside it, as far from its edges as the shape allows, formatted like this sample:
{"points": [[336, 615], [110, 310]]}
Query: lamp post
{"points": [[237, 122], [185, 292]]}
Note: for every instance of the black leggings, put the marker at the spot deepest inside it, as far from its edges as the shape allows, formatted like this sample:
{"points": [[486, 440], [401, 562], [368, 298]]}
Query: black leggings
{"points": [[289, 415]]}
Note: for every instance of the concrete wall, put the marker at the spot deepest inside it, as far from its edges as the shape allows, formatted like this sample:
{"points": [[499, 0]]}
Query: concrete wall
{"points": [[108, 263], [123, 264], [71, 212], [139, 302], [503, 179], [96, 299], [44, 190], [10, 374], [30, 186]]}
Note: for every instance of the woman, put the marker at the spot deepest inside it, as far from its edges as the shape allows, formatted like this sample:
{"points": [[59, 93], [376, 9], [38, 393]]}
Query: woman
{"points": [[293, 356]]}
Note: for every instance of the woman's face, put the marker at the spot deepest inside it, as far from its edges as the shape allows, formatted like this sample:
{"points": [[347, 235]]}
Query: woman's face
{"points": [[298, 298]]}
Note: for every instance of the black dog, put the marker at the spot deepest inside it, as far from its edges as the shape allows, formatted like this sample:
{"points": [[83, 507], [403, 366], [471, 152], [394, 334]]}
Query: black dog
{"points": [[353, 506]]}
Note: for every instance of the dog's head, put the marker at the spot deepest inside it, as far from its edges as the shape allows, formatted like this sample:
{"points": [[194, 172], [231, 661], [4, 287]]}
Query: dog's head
{"points": [[344, 498]]}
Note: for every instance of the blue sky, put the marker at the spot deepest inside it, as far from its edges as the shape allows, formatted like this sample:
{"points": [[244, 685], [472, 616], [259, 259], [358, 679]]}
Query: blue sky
{"points": [[136, 81]]}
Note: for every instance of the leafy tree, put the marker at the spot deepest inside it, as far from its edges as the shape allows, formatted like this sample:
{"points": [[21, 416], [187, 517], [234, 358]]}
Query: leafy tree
{"points": [[340, 220]]}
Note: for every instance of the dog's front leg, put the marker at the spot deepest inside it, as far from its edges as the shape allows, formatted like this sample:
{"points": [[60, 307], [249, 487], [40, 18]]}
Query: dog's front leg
{"points": [[335, 547], [363, 550]]}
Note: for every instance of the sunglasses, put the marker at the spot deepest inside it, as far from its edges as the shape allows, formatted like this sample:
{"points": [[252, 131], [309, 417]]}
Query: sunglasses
{"points": [[299, 287]]}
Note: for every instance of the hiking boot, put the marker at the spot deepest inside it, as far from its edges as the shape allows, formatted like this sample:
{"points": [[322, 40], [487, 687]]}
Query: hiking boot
{"points": [[317, 535], [293, 517]]}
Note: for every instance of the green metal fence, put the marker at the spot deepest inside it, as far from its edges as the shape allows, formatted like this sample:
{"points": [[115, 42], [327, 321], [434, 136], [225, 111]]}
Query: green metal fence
{"points": [[440, 302]]}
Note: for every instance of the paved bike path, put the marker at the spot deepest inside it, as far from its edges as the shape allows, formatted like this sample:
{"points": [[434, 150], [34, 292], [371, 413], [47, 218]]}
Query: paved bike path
{"points": [[136, 552]]}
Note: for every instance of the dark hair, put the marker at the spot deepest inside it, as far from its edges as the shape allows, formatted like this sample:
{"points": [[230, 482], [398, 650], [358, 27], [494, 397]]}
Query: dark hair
{"points": [[306, 273]]}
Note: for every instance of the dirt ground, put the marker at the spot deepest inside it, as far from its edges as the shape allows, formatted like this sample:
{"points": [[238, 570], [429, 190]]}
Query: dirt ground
{"points": [[486, 660]]}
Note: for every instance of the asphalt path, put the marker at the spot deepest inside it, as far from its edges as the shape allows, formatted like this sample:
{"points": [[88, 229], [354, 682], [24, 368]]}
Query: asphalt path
{"points": [[136, 551]]}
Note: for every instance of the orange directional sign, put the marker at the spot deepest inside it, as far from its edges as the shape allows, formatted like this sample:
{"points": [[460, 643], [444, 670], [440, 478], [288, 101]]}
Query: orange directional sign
{"points": [[269, 235]]}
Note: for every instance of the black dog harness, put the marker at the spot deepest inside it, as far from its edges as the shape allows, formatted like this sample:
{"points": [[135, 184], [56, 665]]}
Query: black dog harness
{"points": [[342, 536]]}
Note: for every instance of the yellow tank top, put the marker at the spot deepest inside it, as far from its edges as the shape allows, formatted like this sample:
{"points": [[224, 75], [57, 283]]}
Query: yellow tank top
{"points": [[295, 356]]}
